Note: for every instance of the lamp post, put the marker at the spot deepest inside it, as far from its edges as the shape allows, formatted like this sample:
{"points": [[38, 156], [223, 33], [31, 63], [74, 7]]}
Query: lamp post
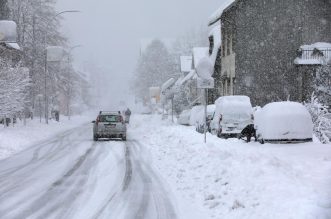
{"points": [[46, 67], [69, 78]]}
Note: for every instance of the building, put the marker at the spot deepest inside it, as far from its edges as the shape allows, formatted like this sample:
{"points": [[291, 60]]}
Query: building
{"points": [[260, 39], [215, 57]]}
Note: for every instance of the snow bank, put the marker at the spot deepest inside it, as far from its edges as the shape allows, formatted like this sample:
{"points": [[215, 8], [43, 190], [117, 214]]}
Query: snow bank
{"points": [[284, 120], [18, 138], [232, 179]]}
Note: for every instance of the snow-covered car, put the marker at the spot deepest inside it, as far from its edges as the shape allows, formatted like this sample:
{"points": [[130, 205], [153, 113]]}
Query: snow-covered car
{"points": [[232, 115], [109, 125], [199, 126], [184, 117], [196, 111], [283, 122]]}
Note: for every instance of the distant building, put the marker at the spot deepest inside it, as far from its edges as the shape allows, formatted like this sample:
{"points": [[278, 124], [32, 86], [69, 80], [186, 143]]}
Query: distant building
{"points": [[260, 39]]}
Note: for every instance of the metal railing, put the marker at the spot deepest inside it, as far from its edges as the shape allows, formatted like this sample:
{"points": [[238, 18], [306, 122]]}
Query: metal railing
{"points": [[316, 54]]}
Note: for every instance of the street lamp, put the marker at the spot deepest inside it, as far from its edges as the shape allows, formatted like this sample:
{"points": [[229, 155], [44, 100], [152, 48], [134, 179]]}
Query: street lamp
{"points": [[45, 46], [69, 78]]}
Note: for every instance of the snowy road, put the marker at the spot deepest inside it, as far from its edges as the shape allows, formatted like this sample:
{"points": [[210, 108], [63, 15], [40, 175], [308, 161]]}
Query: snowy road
{"points": [[70, 176]]}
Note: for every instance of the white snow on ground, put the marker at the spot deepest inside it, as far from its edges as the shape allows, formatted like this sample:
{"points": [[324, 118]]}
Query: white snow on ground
{"points": [[233, 179], [14, 139]]}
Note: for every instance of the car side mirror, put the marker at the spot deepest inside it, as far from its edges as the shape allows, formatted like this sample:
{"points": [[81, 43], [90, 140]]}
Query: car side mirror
{"points": [[93, 121]]}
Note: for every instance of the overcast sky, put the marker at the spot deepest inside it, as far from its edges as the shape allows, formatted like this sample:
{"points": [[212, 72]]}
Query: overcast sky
{"points": [[111, 30]]}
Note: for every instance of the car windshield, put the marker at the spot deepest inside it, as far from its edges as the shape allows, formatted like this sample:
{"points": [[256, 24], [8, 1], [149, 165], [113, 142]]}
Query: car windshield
{"points": [[109, 118]]}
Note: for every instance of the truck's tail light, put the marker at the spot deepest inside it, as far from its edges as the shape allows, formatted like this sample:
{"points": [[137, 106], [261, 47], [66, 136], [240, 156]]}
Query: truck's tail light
{"points": [[97, 121]]}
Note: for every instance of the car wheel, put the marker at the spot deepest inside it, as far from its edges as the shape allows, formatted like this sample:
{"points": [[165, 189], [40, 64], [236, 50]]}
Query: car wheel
{"points": [[95, 138], [124, 138]]}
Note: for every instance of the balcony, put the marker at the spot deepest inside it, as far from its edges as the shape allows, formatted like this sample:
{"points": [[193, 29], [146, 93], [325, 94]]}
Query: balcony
{"points": [[313, 56]]}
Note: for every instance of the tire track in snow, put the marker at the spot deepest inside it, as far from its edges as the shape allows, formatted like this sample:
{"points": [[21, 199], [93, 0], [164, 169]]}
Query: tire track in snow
{"points": [[53, 192]]}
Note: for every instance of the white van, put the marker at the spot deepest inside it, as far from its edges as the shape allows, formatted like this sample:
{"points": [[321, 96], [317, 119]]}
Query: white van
{"points": [[232, 115]]}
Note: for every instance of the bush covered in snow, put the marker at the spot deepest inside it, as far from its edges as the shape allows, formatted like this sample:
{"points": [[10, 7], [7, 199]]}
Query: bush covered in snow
{"points": [[321, 119]]}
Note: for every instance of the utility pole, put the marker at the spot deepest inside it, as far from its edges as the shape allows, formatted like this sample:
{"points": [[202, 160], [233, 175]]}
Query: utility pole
{"points": [[46, 66]]}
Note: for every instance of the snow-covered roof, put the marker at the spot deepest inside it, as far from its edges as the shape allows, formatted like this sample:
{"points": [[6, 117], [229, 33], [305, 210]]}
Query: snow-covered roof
{"points": [[315, 54], [216, 34], [187, 77], [185, 63], [8, 34], [217, 14], [198, 54], [234, 104]]}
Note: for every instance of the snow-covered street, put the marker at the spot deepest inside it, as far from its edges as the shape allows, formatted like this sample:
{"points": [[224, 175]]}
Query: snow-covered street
{"points": [[165, 171], [70, 176]]}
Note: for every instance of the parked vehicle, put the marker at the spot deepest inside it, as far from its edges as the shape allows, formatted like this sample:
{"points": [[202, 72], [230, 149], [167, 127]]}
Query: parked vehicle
{"points": [[199, 126], [232, 115], [109, 125], [184, 117], [195, 114], [283, 122]]}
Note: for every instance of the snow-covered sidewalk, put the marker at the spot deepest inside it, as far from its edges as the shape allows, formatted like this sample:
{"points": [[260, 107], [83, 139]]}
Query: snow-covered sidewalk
{"points": [[233, 179], [14, 139]]}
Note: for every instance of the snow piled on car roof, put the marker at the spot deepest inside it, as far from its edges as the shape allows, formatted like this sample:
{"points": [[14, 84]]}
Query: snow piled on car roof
{"points": [[284, 120]]}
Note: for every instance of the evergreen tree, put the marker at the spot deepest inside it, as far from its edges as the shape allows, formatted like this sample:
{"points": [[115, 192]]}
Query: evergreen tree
{"points": [[4, 10], [155, 66]]}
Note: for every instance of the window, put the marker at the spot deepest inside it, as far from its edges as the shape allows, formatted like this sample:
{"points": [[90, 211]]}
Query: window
{"points": [[110, 118]]}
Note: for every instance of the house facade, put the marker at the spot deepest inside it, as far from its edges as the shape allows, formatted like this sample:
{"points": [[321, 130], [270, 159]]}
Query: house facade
{"points": [[260, 39], [215, 57]]}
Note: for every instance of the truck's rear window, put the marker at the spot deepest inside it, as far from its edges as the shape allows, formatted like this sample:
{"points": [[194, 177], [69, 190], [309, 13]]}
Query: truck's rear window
{"points": [[110, 118]]}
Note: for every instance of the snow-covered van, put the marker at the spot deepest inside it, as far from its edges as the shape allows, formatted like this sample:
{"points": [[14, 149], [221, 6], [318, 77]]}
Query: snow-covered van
{"points": [[283, 122], [232, 115]]}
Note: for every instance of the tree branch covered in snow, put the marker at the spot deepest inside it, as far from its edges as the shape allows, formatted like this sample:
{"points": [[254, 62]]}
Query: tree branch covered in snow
{"points": [[321, 119], [14, 86], [323, 83]]}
